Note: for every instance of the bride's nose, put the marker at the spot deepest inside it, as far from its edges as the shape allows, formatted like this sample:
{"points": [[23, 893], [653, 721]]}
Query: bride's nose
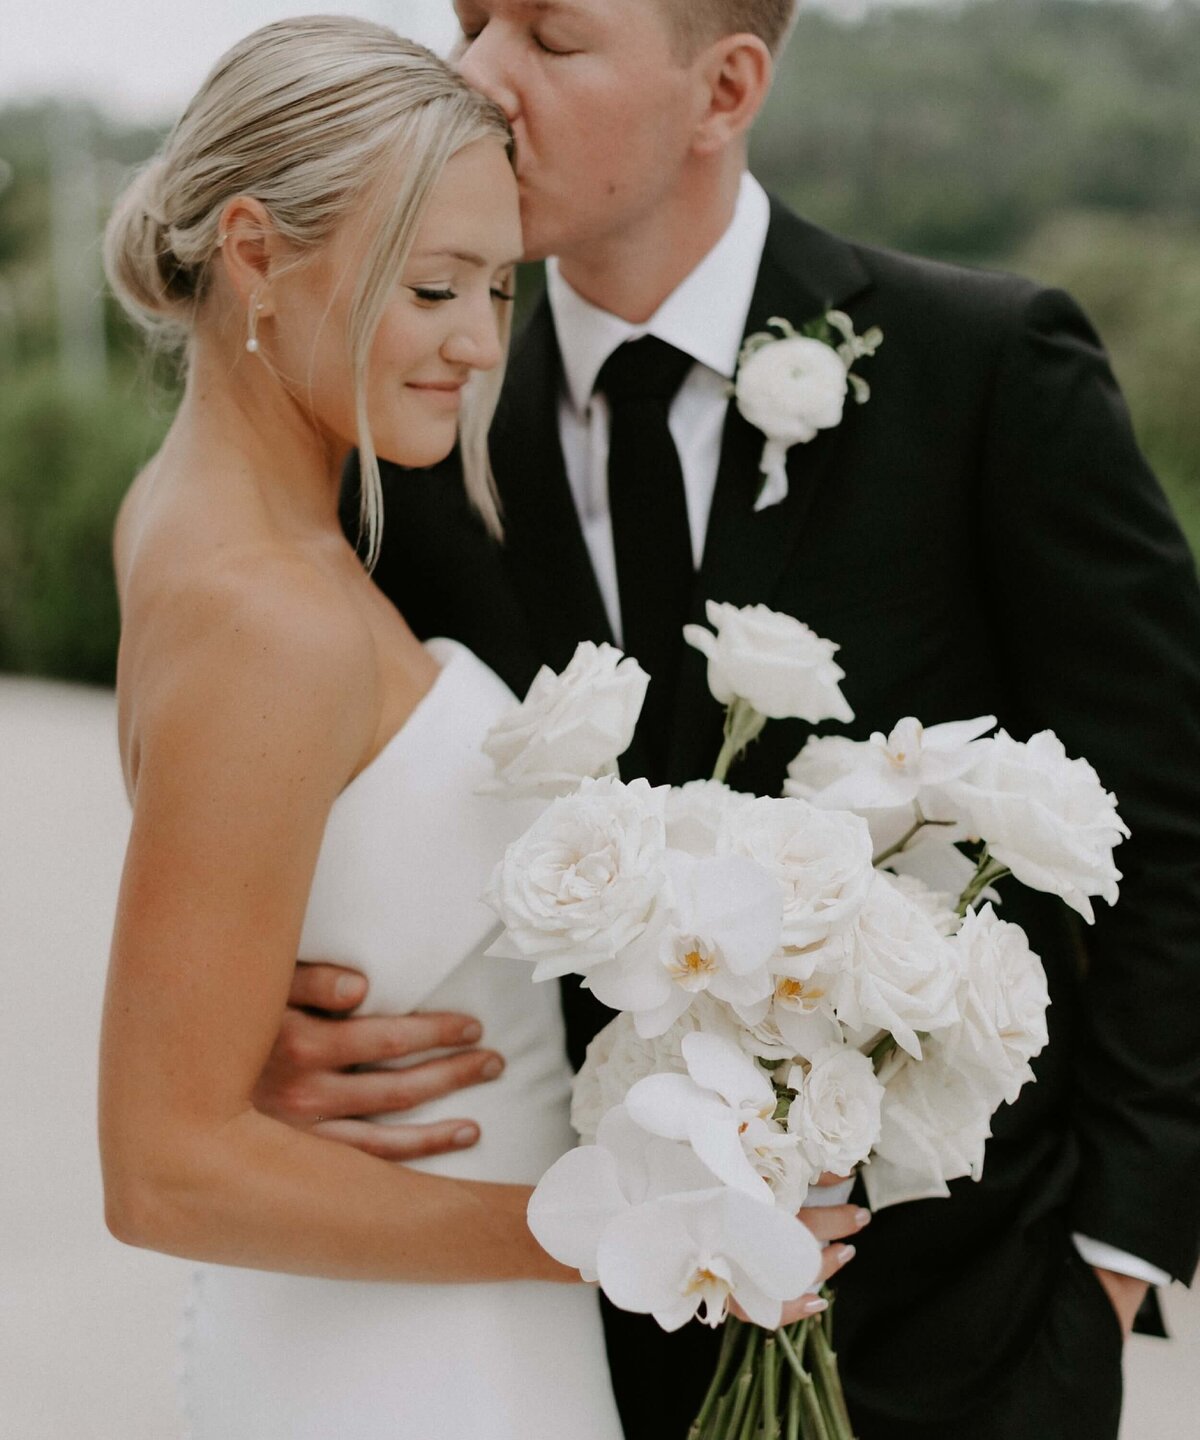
{"points": [[478, 345]]}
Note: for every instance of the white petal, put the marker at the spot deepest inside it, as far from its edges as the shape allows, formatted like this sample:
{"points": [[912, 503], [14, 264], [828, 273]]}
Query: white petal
{"points": [[717, 1064], [573, 1203], [646, 1259], [667, 1105]]}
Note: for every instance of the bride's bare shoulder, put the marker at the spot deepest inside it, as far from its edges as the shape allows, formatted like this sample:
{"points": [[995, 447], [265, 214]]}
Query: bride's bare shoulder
{"points": [[252, 638]]}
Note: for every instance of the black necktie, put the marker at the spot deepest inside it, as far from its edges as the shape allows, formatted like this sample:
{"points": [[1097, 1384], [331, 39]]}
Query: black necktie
{"points": [[651, 539]]}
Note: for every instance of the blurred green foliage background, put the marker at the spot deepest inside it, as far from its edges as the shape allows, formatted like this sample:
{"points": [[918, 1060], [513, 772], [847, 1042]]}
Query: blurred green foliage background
{"points": [[1058, 138]]}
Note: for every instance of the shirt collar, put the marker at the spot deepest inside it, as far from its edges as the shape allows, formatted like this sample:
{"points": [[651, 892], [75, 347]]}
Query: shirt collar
{"points": [[704, 316]]}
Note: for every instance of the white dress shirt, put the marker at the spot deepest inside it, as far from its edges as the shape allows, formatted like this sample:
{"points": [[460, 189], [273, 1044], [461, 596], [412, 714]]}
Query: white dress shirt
{"points": [[705, 316]]}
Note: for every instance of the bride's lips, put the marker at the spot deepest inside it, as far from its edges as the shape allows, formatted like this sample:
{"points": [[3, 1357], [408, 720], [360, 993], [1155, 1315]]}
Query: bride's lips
{"points": [[443, 392]]}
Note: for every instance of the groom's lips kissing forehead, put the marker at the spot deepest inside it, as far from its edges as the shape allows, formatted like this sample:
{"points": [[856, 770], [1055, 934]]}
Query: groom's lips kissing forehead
{"points": [[598, 101]]}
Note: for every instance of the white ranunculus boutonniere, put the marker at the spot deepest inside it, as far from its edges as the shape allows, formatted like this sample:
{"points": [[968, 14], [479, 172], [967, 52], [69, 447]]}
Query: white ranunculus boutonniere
{"points": [[794, 384]]}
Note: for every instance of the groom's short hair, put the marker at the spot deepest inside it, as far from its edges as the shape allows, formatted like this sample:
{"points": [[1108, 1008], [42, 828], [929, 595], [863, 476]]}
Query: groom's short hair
{"points": [[697, 23]]}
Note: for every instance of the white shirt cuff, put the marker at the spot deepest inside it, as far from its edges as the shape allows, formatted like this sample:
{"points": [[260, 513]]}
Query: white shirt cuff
{"points": [[1107, 1257]]}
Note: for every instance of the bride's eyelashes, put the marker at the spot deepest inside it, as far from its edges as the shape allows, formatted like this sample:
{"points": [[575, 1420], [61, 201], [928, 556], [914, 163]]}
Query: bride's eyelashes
{"points": [[432, 296]]}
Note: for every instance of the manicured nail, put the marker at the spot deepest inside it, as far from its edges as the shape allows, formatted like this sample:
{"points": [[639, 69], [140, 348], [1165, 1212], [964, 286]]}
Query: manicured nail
{"points": [[862, 1217], [490, 1069], [845, 1254], [465, 1135], [471, 1033], [814, 1306], [347, 987]]}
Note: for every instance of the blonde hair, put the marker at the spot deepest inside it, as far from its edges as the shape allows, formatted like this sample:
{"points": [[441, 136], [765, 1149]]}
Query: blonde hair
{"points": [[305, 116]]}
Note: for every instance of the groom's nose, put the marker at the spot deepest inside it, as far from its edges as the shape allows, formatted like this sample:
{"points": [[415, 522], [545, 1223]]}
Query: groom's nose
{"points": [[487, 63]]}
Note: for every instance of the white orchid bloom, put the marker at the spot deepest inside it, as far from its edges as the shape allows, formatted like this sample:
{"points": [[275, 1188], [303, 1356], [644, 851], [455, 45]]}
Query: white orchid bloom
{"points": [[590, 1186], [714, 931], [673, 1257], [908, 765], [724, 1109]]}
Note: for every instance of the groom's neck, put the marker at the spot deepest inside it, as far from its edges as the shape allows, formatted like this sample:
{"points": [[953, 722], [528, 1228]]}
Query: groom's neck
{"points": [[632, 271]]}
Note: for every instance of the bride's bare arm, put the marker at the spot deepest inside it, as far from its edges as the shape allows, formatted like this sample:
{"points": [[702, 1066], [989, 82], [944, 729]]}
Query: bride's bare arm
{"points": [[257, 705]]}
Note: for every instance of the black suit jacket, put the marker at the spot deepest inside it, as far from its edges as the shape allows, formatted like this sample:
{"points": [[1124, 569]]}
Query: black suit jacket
{"points": [[982, 537]]}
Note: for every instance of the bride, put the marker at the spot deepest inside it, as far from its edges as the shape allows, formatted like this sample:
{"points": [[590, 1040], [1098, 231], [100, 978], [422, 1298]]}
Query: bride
{"points": [[331, 230]]}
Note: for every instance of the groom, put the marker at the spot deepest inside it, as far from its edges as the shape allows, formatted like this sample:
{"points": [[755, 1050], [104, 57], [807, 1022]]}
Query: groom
{"points": [[982, 537]]}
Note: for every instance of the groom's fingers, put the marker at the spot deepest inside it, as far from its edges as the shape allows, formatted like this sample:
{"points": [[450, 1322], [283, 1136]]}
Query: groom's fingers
{"points": [[370, 1040], [401, 1142], [326, 987], [384, 1092], [312, 1069]]}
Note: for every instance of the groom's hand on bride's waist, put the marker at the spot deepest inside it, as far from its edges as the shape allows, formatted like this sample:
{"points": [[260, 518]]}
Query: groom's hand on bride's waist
{"points": [[325, 1070]]}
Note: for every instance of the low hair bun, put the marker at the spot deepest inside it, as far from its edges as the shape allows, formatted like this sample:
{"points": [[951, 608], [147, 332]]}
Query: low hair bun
{"points": [[156, 289]]}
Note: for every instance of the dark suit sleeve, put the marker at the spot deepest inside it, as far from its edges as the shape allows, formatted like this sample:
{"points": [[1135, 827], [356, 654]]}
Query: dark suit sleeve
{"points": [[1096, 609]]}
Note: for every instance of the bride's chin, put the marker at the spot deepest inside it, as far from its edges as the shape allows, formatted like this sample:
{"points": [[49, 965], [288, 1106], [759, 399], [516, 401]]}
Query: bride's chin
{"points": [[417, 454]]}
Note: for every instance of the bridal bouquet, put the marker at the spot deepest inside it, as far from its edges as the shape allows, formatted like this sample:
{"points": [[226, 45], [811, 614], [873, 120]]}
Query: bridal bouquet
{"points": [[806, 984]]}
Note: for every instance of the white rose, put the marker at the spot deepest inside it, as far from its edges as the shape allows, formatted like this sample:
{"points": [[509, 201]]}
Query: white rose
{"points": [[580, 884], [697, 812], [569, 726], [790, 389], [1045, 816], [1003, 998], [934, 1125], [821, 858], [836, 1112], [773, 662], [891, 969], [938, 905]]}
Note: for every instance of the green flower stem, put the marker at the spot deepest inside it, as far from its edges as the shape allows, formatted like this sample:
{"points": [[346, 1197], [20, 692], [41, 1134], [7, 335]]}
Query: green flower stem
{"points": [[741, 1400], [905, 840], [793, 1347], [770, 1371], [812, 1417], [791, 1428], [751, 1423], [825, 1321], [829, 1385], [886, 1048], [743, 725], [986, 872], [720, 1428], [729, 1343]]}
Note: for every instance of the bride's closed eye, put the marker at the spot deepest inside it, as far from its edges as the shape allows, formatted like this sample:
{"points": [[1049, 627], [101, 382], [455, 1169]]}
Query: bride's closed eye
{"points": [[432, 296]]}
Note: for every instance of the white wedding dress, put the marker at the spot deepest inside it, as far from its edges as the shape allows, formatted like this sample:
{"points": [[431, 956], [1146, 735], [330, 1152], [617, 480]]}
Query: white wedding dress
{"points": [[407, 851]]}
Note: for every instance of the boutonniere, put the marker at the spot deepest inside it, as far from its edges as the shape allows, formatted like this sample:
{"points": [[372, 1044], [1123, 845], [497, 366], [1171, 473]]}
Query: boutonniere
{"points": [[795, 383]]}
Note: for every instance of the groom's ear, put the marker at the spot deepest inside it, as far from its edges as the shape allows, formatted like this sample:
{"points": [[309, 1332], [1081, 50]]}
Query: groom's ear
{"points": [[735, 72]]}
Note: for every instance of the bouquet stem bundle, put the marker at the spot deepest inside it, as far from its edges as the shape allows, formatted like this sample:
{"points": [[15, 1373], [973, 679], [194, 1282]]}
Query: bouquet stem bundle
{"points": [[781, 1386]]}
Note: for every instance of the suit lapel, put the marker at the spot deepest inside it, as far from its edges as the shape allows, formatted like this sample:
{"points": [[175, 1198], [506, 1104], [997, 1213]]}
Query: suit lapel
{"points": [[804, 272], [545, 554]]}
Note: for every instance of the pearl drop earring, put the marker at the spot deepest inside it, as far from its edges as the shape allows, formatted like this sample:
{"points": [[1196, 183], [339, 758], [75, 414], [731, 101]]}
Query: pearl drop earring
{"points": [[252, 338]]}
